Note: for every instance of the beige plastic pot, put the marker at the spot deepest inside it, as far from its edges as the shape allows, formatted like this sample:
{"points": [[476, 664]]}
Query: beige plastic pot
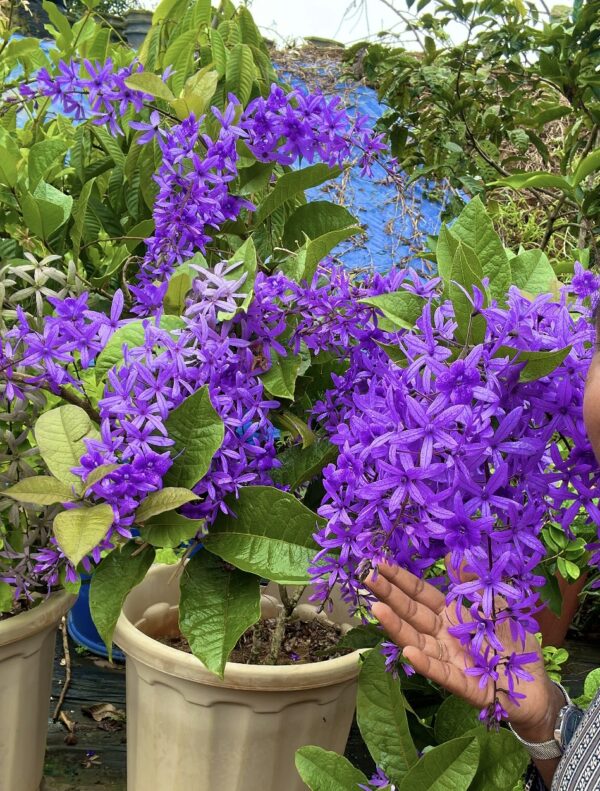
{"points": [[188, 730], [26, 659]]}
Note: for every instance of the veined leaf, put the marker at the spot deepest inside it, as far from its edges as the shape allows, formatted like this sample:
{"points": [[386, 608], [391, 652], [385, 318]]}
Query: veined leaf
{"points": [[117, 574], [291, 184], [322, 770], [167, 499], [448, 767], [271, 535], [240, 72], [40, 490], [170, 529], [79, 530], [218, 604], [60, 435]]}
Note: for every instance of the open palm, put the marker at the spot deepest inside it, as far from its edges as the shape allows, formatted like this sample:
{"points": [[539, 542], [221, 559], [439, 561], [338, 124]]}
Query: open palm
{"points": [[415, 616]]}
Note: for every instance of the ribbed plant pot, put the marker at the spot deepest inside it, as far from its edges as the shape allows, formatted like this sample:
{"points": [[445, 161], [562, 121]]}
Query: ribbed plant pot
{"points": [[189, 730], [26, 659]]}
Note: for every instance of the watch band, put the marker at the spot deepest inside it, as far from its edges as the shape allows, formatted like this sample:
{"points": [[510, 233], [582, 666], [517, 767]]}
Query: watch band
{"points": [[543, 751]]}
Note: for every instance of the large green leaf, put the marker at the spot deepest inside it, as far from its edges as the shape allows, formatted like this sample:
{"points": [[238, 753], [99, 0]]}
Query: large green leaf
{"points": [[322, 770], [271, 535], [381, 715], [280, 379], [474, 227], [586, 167], [449, 767], [218, 604], [79, 530], [535, 180], [198, 434], [291, 184], [319, 248], [240, 72], [400, 308], [532, 272], [79, 216], [131, 335], [117, 574], [167, 499], [151, 84], [197, 94], [538, 364], [170, 529], [42, 157], [502, 760], [180, 56], [445, 250], [299, 465], [466, 273], [60, 435], [46, 209], [455, 717], [315, 219], [40, 490]]}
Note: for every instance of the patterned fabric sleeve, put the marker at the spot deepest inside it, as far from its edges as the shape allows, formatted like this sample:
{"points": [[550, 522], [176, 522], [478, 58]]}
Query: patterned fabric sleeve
{"points": [[579, 768]]}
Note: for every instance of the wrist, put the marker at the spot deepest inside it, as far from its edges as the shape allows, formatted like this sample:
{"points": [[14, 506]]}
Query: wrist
{"points": [[540, 727]]}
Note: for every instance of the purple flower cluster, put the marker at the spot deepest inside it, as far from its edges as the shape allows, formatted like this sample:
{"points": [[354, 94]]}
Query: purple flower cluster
{"points": [[460, 453], [97, 91], [153, 378], [197, 173]]}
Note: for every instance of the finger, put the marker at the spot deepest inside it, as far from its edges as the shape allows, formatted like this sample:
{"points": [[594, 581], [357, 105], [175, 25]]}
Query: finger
{"points": [[448, 676], [419, 616], [415, 588], [402, 633]]}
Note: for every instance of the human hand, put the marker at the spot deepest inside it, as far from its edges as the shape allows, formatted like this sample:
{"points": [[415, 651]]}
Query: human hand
{"points": [[415, 616]]}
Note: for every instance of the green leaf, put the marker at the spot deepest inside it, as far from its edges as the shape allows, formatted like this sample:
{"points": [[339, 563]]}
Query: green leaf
{"points": [[455, 717], [586, 167], [179, 286], [291, 184], [255, 178], [322, 770], [218, 604], [131, 335], [445, 250], [246, 257], [299, 465], [167, 499], [59, 21], [315, 219], [168, 9], [381, 715], [99, 473], [9, 158], [535, 180], [41, 490], [271, 535], [219, 52], [240, 72], [538, 364], [532, 272], [60, 435], [198, 433], [80, 216], [400, 308], [180, 56], [475, 229], [502, 760], [368, 636], [395, 353], [280, 379], [591, 685], [150, 83], [170, 529], [117, 574], [319, 248], [449, 767], [7, 597], [79, 530], [46, 209], [466, 273], [198, 92], [42, 157]]}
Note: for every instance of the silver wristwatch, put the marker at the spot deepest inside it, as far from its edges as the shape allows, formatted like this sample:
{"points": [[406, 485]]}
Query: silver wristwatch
{"points": [[554, 748]]}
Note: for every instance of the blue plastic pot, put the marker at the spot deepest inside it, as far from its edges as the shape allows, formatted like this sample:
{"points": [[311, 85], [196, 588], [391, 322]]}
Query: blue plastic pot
{"points": [[81, 627]]}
